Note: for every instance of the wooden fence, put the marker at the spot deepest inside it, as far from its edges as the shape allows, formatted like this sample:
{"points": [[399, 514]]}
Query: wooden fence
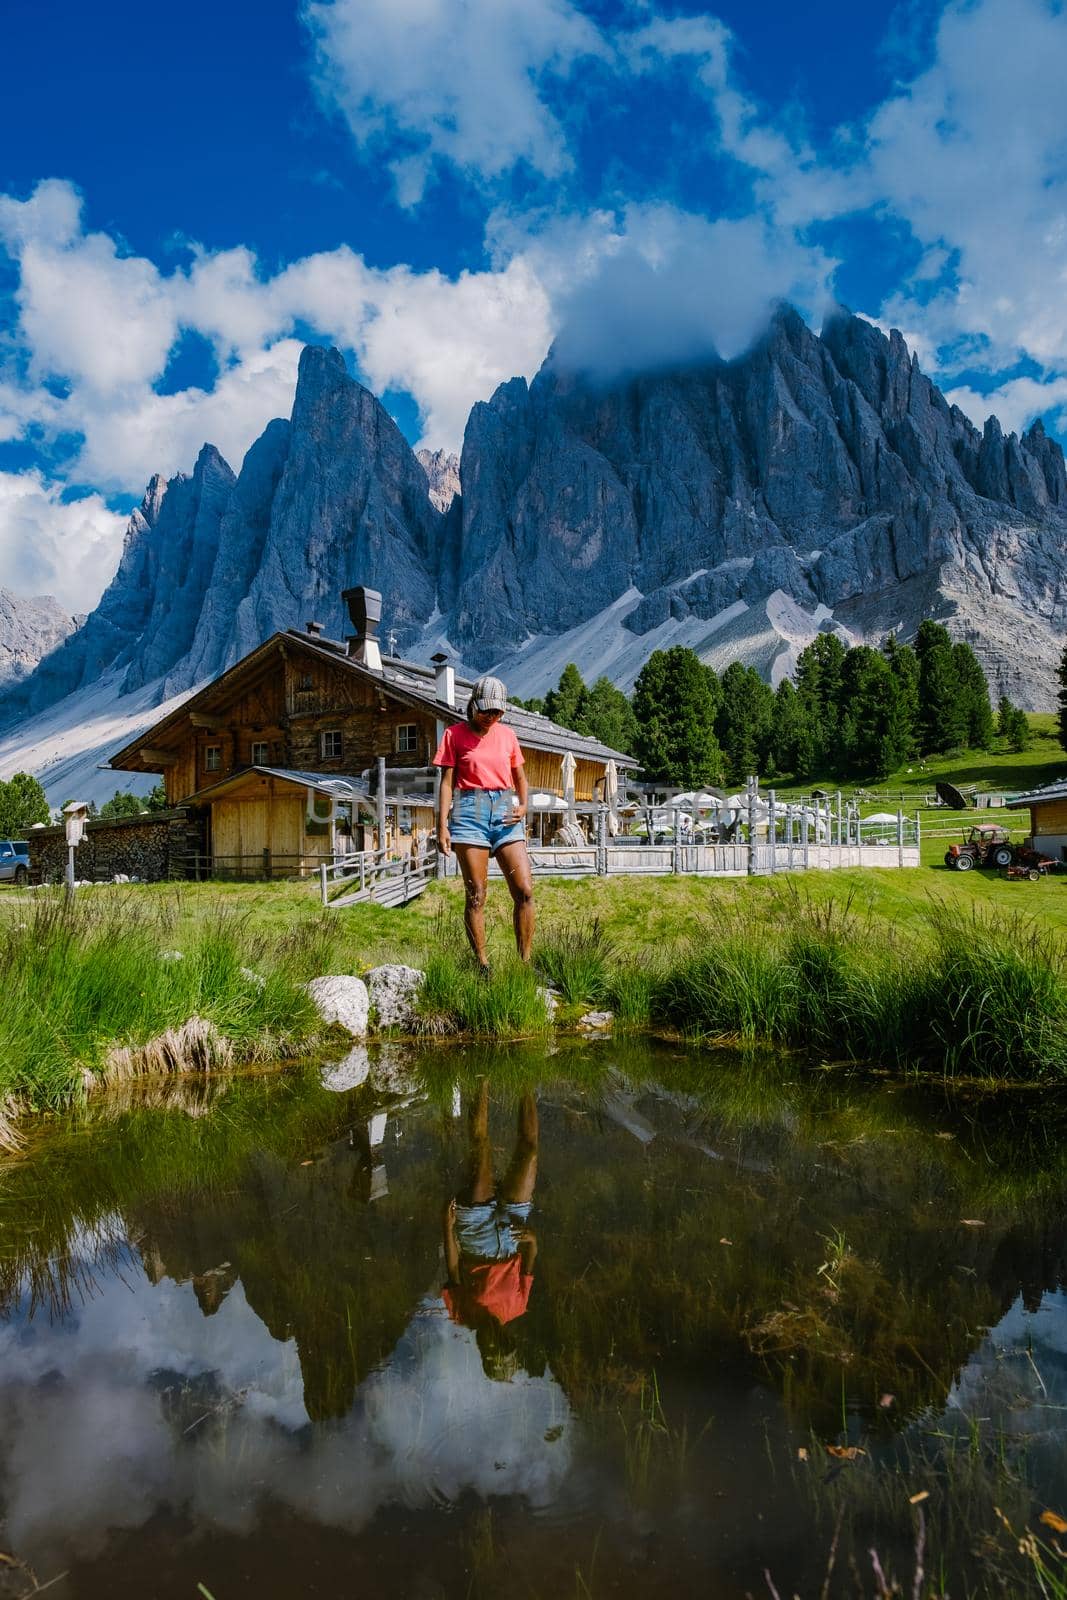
{"points": [[391, 880]]}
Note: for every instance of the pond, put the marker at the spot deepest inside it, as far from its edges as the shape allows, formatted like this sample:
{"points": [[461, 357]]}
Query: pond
{"points": [[611, 1319]]}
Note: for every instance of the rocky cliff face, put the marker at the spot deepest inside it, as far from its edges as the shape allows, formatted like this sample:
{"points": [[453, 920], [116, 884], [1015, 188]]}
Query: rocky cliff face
{"points": [[442, 472], [29, 629], [828, 472], [816, 482]]}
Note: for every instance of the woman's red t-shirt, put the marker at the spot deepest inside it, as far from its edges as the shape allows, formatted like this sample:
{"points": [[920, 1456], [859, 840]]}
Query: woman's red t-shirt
{"points": [[482, 761]]}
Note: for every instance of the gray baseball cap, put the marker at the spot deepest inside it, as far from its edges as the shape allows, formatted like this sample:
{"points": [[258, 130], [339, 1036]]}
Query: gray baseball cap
{"points": [[489, 694]]}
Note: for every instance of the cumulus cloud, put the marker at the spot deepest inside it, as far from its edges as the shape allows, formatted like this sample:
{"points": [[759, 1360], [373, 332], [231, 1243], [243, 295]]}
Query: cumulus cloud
{"points": [[104, 324], [457, 82], [670, 288], [48, 545]]}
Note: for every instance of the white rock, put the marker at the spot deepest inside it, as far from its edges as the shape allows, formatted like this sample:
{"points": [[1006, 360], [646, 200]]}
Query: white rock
{"points": [[393, 1073], [597, 1021], [551, 997], [343, 1000], [393, 992], [347, 1074]]}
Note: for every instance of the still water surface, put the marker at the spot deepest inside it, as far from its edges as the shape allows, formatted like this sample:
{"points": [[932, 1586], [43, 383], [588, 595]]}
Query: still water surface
{"points": [[619, 1319]]}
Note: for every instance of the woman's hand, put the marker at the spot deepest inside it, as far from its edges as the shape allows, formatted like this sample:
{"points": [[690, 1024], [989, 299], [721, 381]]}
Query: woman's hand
{"points": [[517, 812], [444, 839]]}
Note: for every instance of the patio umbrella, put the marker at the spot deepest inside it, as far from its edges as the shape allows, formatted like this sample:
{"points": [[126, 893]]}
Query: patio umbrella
{"points": [[611, 795], [567, 772], [879, 819]]}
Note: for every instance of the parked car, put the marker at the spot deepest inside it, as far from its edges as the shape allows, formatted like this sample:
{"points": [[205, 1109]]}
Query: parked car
{"points": [[14, 862], [985, 846]]}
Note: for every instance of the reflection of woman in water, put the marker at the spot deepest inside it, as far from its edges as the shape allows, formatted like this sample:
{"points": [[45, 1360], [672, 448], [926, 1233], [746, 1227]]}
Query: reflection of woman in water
{"points": [[489, 1248]]}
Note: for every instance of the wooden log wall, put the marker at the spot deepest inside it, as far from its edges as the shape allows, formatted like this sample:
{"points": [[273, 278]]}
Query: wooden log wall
{"points": [[148, 848]]}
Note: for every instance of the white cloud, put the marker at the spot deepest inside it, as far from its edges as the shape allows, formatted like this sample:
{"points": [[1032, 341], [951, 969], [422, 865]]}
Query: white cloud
{"points": [[459, 80], [1015, 403], [105, 323], [50, 546], [668, 287]]}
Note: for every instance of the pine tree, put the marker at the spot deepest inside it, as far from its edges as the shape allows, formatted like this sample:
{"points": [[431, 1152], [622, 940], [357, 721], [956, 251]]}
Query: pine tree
{"points": [[743, 724], [874, 725], [606, 714], [974, 692], [674, 708], [791, 741], [904, 664], [563, 704], [944, 720], [818, 681], [1013, 726]]}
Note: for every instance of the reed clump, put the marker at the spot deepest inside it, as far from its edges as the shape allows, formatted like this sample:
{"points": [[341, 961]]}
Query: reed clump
{"points": [[979, 996], [457, 998], [106, 989]]}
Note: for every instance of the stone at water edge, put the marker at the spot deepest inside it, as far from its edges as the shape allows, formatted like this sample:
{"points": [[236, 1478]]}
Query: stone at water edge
{"points": [[597, 1021], [343, 1000], [347, 1074], [393, 991], [551, 998], [393, 1074]]}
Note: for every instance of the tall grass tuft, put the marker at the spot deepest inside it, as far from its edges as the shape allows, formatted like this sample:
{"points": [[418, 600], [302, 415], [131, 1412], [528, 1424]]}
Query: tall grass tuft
{"points": [[737, 988], [997, 1002], [79, 981], [456, 998], [979, 996], [576, 959]]}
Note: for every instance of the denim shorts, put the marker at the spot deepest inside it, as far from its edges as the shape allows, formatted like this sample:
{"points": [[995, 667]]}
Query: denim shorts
{"points": [[478, 818], [485, 1232]]}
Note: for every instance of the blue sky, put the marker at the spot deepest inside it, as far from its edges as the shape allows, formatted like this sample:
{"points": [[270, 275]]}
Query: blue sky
{"points": [[442, 187]]}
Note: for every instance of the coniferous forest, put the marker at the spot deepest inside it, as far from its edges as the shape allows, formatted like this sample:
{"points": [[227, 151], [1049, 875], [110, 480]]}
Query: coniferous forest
{"points": [[853, 714]]}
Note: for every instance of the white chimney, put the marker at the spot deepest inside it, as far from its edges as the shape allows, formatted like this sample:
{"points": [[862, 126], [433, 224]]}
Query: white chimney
{"points": [[445, 678]]}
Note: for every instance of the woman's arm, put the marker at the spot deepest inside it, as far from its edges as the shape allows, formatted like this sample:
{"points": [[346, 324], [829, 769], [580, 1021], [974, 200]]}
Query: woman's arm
{"points": [[444, 806], [522, 794]]}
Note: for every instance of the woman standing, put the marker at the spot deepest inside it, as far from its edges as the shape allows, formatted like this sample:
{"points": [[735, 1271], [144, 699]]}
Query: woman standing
{"points": [[482, 766]]}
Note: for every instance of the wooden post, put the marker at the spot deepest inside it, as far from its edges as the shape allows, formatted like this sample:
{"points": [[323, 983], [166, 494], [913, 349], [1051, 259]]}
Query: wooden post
{"points": [[602, 841], [837, 808], [750, 790], [266, 862], [381, 802], [322, 884], [772, 828], [900, 838], [804, 833]]}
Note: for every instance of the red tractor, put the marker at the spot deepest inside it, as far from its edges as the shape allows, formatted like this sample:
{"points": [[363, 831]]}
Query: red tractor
{"points": [[987, 845]]}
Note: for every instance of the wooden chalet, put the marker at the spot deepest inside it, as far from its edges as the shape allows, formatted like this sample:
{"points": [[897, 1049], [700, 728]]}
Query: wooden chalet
{"points": [[309, 748], [1048, 818]]}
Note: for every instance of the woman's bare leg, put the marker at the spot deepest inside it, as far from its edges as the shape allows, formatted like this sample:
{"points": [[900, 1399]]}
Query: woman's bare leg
{"points": [[519, 1180], [478, 1185], [515, 865], [474, 865]]}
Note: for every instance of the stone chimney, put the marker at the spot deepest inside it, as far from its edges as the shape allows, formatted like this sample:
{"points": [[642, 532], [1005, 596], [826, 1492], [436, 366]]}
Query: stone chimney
{"points": [[445, 680], [365, 610], [313, 628]]}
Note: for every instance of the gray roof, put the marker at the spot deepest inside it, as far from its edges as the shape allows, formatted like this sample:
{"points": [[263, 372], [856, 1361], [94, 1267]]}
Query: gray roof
{"points": [[340, 786], [419, 682], [1034, 797]]}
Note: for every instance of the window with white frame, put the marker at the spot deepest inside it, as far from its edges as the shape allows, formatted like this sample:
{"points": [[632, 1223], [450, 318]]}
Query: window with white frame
{"points": [[260, 753], [213, 758], [330, 744], [407, 738]]}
